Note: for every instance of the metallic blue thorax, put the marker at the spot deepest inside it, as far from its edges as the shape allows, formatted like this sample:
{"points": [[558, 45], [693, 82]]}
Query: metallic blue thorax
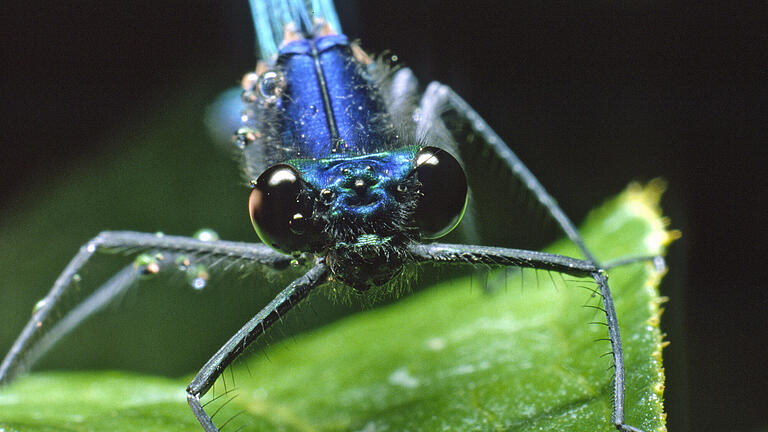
{"points": [[328, 105]]}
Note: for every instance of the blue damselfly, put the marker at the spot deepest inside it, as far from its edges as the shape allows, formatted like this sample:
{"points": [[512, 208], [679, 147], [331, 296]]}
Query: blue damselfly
{"points": [[351, 168]]}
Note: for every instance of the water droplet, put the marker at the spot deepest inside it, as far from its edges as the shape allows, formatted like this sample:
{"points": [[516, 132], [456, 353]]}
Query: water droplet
{"points": [[245, 136], [76, 278], [40, 304], [249, 84], [249, 81], [182, 262], [402, 378], [206, 234], [248, 96], [342, 145], [159, 234], [147, 265], [310, 111], [91, 248], [198, 283], [295, 262], [197, 276], [326, 196], [248, 117], [270, 85], [416, 117], [240, 141], [394, 58], [436, 344]]}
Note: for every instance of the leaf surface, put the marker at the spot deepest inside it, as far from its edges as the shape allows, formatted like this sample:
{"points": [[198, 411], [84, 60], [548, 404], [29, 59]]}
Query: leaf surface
{"points": [[518, 356]]}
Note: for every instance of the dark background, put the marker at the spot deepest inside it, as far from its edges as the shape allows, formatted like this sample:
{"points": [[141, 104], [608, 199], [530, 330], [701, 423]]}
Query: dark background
{"points": [[591, 96]]}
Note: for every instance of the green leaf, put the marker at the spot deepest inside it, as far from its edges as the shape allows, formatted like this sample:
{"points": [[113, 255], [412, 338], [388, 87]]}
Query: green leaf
{"points": [[519, 356]]}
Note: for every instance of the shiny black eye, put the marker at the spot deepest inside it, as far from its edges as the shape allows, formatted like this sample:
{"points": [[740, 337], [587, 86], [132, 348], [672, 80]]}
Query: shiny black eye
{"points": [[280, 210], [443, 192]]}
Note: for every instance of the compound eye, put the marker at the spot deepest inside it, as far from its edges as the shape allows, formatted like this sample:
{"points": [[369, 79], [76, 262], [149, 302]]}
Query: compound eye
{"points": [[279, 209], [443, 192]]}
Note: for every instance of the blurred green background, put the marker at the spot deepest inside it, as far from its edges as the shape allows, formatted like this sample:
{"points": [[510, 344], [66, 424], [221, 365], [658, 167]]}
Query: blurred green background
{"points": [[102, 108]]}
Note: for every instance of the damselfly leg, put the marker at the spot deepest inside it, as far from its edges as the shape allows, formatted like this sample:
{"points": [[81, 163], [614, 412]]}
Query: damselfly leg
{"points": [[44, 329], [439, 100]]}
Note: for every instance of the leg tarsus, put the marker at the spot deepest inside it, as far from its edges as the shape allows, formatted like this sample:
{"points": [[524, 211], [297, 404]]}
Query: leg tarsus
{"points": [[199, 412], [627, 428], [659, 264]]}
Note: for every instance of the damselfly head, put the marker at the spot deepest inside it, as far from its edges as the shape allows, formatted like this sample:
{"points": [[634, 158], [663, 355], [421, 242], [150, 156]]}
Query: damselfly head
{"points": [[359, 211]]}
